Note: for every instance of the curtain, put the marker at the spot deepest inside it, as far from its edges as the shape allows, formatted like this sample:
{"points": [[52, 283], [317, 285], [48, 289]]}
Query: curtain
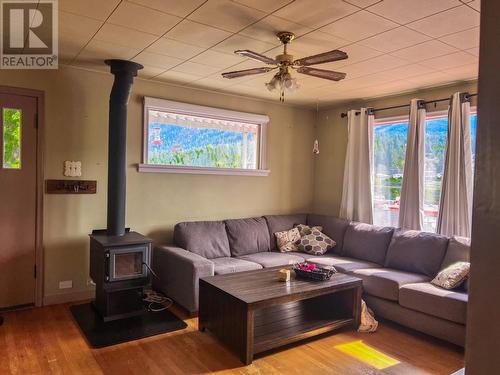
{"points": [[455, 210], [357, 193], [411, 213]]}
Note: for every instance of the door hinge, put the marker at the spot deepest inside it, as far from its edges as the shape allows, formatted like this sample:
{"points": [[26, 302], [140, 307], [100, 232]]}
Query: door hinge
{"points": [[34, 271]]}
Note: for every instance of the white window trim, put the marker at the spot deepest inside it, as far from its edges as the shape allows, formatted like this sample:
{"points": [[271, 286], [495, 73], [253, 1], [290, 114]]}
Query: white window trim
{"points": [[203, 111]]}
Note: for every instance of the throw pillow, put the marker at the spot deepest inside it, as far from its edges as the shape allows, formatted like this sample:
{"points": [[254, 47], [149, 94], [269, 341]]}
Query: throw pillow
{"points": [[304, 229], [287, 240], [452, 276], [316, 243]]}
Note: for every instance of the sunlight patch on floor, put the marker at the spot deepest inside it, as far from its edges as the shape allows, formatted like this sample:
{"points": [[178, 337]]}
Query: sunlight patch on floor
{"points": [[367, 354]]}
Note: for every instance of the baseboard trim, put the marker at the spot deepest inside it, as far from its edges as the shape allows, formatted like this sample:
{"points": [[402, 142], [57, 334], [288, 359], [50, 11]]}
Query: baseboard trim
{"points": [[55, 299]]}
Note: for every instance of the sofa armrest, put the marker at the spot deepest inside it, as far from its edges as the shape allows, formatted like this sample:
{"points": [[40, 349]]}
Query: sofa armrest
{"points": [[178, 273]]}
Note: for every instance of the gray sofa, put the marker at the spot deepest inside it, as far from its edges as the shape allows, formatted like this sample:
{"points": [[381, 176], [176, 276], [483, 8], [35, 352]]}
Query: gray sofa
{"points": [[396, 266]]}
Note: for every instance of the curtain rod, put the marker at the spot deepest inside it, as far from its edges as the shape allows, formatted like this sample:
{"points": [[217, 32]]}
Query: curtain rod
{"points": [[466, 97]]}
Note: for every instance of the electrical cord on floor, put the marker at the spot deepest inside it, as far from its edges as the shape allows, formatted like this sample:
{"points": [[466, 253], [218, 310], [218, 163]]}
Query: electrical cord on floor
{"points": [[157, 302]]}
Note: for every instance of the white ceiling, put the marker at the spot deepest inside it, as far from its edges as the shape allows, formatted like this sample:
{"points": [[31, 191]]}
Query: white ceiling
{"points": [[393, 45]]}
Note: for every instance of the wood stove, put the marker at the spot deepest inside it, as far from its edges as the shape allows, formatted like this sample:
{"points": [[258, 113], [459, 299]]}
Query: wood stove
{"points": [[119, 258]]}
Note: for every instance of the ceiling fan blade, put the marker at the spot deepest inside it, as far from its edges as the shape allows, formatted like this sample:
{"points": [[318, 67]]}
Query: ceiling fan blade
{"points": [[321, 73], [322, 58], [247, 72], [255, 56]]}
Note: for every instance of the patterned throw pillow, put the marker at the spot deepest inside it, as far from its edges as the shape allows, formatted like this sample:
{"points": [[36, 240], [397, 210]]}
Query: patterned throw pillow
{"points": [[316, 243], [452, 276], [287, 240], [304, 230]]}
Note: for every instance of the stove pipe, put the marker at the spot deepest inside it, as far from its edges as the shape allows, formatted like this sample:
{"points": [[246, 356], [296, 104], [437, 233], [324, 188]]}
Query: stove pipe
{"points": [[124, 72]]}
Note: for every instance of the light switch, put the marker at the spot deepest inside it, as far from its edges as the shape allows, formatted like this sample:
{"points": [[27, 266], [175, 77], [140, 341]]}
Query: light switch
{"points": [[72, 168]]}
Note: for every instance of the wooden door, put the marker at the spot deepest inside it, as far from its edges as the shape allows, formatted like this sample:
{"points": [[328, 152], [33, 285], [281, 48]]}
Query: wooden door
{"points": [[18, 179]]}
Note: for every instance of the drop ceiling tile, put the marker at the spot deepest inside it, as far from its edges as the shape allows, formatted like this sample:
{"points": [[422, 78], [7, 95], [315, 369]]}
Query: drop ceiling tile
{"points": [[464, 39], [195, 69], [176, 77], [473, 51], [404, 11], [317, 13], [264, 5], [175, 7], [91, 64], [226, 14], [197, 34], [214, 81], [452, 60], [217, 59], [247, 64], [156, 60], [173, 48], [375, 65], [469, 71], [149, 72], [475, 4], [123, 36], [448, 22], [363, 3], [395, 39], [359, 26], [424, 51], [143, 19], [71, 24], [238, 41], [98, 51], [98, 9], [266, 29], [408, 71], [70, 47], [314, 43], [356, 53], [431, 79]]}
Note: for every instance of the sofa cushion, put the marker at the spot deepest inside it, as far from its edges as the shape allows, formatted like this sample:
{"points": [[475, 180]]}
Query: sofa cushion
{"points": [[341, 264], [316, 243], [205, 238], [247, 236], [273, 259], [279, 223], [385, 282], [333, 227], [436, 301], [415, 251], [458, 251], [367, 242], [231, 265], [287, 240]]}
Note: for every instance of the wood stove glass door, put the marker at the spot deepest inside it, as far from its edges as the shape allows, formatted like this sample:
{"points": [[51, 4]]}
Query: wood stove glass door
{"points": [[18, 184], [128, 263]]}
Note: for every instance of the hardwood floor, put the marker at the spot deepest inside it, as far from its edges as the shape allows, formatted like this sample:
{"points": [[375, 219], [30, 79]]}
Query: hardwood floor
{"points": [[47, 341]]}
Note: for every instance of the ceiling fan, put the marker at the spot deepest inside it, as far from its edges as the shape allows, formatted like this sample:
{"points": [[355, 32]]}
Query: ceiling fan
{"points": [[283, 80]]}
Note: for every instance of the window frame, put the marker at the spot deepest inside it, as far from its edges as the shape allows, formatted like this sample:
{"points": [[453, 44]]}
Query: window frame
{"points": [[400, 118], [158, 104]]}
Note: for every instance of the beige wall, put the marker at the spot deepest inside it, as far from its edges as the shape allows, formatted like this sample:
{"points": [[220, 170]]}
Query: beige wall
{"points": [[76, 129], [331, 131]]}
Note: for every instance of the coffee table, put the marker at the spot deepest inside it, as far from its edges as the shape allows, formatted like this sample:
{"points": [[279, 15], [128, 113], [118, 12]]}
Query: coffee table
{"points": [[252, 312]]}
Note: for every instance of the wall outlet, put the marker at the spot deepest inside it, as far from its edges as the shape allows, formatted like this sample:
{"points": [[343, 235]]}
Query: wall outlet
{"points": [[67, 284], [72, 168]]}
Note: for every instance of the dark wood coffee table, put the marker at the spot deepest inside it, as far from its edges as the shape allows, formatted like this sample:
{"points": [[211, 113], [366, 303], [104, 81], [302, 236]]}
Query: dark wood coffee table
{"points": [[251, 312]]}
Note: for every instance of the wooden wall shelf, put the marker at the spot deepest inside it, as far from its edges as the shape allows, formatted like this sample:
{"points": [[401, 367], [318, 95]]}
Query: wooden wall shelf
{"points": [[70, 186]]}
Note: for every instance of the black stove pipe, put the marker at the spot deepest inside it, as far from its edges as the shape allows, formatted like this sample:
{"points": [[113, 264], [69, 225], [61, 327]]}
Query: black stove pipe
{"points": [[124, 72]]}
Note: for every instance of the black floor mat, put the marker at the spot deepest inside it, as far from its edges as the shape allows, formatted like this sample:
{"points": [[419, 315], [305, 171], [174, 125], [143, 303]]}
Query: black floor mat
{"points": [[100, 334]]}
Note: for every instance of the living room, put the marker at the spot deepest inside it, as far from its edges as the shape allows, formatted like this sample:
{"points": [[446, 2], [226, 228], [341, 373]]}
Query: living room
{"points": [[217, 131]]}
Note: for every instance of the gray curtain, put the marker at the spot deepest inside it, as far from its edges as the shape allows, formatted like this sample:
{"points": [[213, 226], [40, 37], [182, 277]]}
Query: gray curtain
{"points": [[411, 213], [455, 210], [357, 193]]}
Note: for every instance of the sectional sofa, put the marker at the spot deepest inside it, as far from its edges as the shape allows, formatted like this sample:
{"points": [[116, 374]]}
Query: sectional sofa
{"points": [[396, 266]]}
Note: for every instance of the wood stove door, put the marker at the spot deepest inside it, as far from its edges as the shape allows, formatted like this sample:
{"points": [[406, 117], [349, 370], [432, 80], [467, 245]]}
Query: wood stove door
{"points": [[18, 187]]}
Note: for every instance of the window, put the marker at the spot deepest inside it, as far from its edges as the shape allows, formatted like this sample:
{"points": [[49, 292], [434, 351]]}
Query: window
{"points": [[389, 149], [11, 119], [186, 138]]}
